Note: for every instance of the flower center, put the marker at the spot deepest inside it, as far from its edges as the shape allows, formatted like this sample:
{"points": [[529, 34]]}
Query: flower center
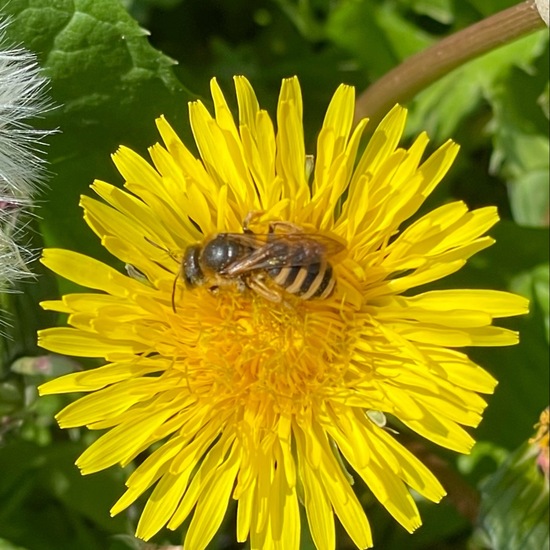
{"points": [[291, 352]]}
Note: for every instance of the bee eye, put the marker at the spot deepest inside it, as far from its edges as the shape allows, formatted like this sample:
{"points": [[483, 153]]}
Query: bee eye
{"points": [[192, 273]]}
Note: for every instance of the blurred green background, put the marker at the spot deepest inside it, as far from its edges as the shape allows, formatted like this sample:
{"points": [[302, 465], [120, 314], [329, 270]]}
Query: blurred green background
{"points": [[110, 79]]}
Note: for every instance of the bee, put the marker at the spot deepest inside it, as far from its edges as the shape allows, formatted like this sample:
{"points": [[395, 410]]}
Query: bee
{"points": [[293, 262]]}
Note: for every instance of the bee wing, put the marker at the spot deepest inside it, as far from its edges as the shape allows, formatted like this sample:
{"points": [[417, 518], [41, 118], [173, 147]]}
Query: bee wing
{"points": [[305, 248], [252, 240], [285, 250], [329, 245]]}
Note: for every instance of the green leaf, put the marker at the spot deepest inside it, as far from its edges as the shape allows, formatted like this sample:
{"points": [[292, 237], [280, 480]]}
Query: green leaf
{"points": [[483, 453], [7, 545], [488, 7], [439, 10], [108, 84], [47, 504], [11, 399], [521, 146], [514, 504], [442, 107], [535, 285], [303, 17], [529, 196], [25, 314], [544, 100], [376, 35]]}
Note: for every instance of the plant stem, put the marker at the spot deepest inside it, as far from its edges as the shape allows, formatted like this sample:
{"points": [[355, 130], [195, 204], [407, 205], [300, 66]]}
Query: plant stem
{"points": [[422, 69]]}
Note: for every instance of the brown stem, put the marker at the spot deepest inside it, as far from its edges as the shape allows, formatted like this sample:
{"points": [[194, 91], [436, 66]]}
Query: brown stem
{"points": [[427, 66], [464, 498]]}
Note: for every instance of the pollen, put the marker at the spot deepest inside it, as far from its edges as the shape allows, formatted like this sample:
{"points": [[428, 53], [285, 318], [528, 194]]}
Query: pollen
{"points": [[279, 353]]}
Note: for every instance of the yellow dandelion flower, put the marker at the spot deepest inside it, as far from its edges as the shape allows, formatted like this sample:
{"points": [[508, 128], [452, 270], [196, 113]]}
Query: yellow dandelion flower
{"points": [[251, 388]]}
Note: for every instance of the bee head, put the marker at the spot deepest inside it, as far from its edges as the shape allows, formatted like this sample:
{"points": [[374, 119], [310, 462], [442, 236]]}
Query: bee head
{"points": [[191, 270]]}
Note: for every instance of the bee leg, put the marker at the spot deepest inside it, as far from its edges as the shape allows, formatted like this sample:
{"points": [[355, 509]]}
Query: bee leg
{"points": [[252, 216], [260, 288], [241, 285], [289, 227]]}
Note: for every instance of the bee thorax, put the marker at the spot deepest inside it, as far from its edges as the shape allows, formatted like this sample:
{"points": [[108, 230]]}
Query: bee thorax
{"points": [[220, 253]]}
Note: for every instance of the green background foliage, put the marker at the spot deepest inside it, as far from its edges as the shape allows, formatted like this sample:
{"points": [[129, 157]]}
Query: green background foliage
{"points": [[110, 79]]}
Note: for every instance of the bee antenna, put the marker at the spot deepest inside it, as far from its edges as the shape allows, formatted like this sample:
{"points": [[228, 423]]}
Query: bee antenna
{"points": [[163, 248], [156, 245], [174, 285]]}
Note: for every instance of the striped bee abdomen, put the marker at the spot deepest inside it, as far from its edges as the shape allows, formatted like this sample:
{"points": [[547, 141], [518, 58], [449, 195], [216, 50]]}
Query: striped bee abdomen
{"points": [[313, 281]]}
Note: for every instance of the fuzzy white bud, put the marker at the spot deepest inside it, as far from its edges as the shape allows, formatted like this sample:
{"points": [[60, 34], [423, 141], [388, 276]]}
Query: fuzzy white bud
{"points": [[22, 97]]}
